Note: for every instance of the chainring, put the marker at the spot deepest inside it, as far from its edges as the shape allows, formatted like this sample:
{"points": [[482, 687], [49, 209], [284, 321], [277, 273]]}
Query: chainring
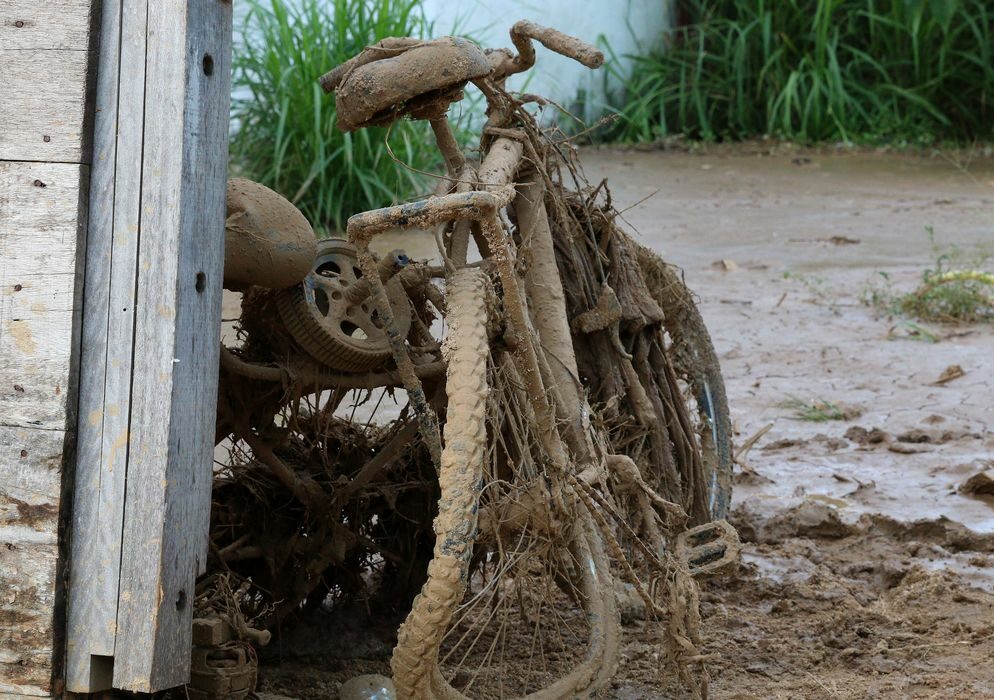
{"points": [[343, 335]]}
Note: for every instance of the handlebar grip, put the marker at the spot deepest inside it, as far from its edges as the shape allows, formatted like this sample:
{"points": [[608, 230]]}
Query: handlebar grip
{"points": [[554, 40]]}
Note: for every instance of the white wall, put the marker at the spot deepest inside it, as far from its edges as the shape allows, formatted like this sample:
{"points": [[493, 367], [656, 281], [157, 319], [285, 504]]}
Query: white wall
{"points": [[628, 26]]}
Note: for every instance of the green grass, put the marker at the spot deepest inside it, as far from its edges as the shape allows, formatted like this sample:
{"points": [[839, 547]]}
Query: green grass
{"points": [[953, 289], [284, 133], [951, 296], [895, 71], [813, 411]]}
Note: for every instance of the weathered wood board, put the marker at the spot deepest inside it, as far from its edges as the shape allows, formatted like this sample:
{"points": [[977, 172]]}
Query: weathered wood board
{"points": [[150, 321], [53, 24], [108, 345], [42, 224], [177, 336], [151, 333], [46, 71]]}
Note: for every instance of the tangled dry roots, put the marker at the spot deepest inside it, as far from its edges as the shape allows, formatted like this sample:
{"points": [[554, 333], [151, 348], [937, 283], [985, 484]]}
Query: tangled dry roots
{"points": [[334, 542]]}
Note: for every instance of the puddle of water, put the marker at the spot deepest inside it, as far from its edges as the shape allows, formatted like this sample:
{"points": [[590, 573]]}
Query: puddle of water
{"points": [[779, 568], [903, 487]]}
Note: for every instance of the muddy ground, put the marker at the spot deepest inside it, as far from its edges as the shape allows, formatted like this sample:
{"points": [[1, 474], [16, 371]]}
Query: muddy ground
{"points": [[866, 573]]}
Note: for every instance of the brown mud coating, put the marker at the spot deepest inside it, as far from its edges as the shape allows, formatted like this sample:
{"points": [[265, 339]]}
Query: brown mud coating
{"points": [[380, 84], [586, 246], [267, 240], [460, 477], [853, 584], [332, 314], [377, 86]]}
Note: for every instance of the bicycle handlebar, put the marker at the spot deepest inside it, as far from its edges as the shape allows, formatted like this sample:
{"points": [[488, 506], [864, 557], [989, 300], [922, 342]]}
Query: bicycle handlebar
{"points": [[524, 31], [425, 213], [502, 61]]}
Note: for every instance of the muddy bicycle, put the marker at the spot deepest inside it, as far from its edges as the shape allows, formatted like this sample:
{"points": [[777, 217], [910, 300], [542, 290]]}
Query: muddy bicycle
{"points": [[564, 433]]}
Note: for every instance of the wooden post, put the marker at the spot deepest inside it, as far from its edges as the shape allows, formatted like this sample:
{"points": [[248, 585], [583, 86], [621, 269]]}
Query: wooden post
{"points": [[46, 74], [150, 342], [107, 347]]}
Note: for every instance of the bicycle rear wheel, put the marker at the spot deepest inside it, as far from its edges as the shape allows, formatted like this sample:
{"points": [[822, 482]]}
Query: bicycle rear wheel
{"points": [[696, 363], [645, 357]]}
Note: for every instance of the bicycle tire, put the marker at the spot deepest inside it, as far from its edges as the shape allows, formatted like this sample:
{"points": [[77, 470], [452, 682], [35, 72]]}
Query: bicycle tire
{"points": [[416, 658], [459, 480], [695, 358]]}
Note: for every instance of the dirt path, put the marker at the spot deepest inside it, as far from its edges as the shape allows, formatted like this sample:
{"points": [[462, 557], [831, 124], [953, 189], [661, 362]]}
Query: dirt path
{"points": [[866, 573]]}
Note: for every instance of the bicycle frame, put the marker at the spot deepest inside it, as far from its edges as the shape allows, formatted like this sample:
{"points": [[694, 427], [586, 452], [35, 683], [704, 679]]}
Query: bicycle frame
{"points": [[503, 159], [555, 480]]}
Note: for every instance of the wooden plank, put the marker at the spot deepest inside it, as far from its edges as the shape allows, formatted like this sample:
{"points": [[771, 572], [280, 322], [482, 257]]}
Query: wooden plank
{"points": [[46, 71], [30, 486], [32, 468], [39, 207], [108, 345], [42, 224], [53, 24], [28, 554], [44, 120], [177, 330]]}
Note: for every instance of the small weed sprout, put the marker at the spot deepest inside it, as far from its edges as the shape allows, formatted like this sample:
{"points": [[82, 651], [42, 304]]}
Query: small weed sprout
{"points": [[814, 410], [818, 289], [953, 289]]}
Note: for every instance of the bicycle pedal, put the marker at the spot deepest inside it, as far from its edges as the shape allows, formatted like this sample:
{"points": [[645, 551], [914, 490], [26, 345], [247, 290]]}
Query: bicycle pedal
{"points": [[709, 549]]}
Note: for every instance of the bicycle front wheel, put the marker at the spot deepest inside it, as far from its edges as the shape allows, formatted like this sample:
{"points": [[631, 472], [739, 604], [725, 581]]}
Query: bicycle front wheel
{"points": [[530, 589]]}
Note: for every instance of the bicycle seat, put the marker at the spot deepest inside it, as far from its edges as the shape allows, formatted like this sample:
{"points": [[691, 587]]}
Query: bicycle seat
{"points": [[379, 86]]}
